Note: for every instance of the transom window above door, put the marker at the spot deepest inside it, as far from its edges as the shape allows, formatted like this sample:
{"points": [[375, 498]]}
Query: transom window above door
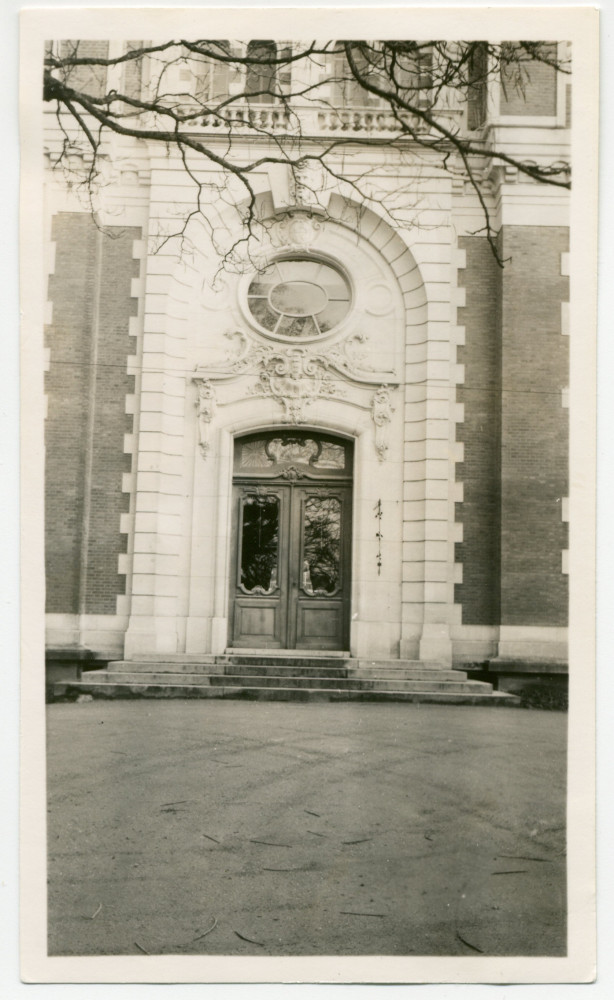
{"points": [[298, 297], [293, 455]]}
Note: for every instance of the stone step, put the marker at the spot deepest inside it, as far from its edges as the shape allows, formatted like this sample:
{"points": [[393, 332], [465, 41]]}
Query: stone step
{"points": [[179, 658], [350, 683], [419, 672], [116, 690], [315, 662], [320, 660], [176, 667], [274, 681], [290, 653], [281, 665], [300, 670]]}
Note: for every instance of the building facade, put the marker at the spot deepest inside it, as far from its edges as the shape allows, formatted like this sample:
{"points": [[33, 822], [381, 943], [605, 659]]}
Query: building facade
{"points": [[350, 435]]}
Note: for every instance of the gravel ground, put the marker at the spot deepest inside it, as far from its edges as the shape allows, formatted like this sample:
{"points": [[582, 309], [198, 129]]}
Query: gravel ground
{"points": [[181, 827]]}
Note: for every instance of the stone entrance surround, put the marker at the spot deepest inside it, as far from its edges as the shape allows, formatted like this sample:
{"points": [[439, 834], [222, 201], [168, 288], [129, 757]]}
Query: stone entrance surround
{"points": [[383, 378]]}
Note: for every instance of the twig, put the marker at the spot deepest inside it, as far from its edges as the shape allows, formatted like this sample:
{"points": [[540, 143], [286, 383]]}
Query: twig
{"points": [[211, 838], [524, 857], [316, 834], [473, 947], [357, 913], [180, 802], [282, 869], [514, 871], [140, 947], [212, 928], [363, 840], [97, 911], [268, 843], [251, 940], [311, 813]]}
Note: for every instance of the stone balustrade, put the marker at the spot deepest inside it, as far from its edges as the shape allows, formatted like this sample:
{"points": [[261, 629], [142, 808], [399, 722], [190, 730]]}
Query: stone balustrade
{"points": [[315, 121]]}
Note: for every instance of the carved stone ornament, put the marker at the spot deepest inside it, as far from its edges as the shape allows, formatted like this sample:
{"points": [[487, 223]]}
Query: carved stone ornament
{"points": [[292, 473], [206, 406], [295, 378], [381, 413], [350, 357], [308, 175], [295, 231]]}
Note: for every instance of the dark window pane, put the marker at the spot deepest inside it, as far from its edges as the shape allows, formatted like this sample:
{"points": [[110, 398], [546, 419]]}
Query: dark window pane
{"points": [[263, 313], [297, 326], [321, 545], [332, 456], [260, 83], [260, 544]]}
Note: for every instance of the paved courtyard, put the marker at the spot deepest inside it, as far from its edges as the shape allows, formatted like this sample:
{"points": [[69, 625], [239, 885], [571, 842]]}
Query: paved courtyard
{"points": [[224, 827]]}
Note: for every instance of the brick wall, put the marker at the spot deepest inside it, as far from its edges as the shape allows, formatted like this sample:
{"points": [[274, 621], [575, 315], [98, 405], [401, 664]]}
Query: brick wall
{"points": [[534, 426], [529, 88], [71, 289], [479, 472], [92, 79], [87, 386]]}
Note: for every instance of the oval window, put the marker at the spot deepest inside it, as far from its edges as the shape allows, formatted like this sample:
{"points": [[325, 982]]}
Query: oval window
{"points": [[299, 297]]}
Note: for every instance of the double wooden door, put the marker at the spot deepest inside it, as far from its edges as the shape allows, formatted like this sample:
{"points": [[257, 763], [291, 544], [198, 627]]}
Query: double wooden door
{"points": [[290, 578]]}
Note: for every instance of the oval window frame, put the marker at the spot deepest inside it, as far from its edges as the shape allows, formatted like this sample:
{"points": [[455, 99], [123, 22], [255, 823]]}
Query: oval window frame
{"points": [[309, 338]]}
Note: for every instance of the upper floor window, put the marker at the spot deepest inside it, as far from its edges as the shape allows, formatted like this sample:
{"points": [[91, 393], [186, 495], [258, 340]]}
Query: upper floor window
{"points": [[477, 95], [403, 69], [346, 91], [132, 71], [267, 78], [212, 77]]}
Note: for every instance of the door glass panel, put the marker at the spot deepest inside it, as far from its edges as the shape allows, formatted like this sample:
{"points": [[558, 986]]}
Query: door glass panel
{"points": [[321, 545], [259, 544], [332, 456], [293, 449], [254, 456], [315, 453]]}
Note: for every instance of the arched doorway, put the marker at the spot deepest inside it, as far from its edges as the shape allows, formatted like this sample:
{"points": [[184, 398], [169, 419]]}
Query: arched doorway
{"points": [[292, 510]]}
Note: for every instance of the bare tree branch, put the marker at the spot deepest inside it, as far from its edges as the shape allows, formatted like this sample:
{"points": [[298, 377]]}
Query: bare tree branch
{"points": [[205, 97]]}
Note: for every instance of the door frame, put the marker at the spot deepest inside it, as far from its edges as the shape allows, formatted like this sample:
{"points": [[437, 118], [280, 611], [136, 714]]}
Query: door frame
{"points": [[291, 602], [209, 548], [294, 487]]}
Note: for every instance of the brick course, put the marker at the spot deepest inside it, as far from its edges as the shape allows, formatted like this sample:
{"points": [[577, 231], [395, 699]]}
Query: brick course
{"points": [[90, 291], [479, 472]]}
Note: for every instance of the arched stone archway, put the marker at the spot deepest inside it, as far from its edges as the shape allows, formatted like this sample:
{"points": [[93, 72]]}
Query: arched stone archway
{"points": [[211, 376]]}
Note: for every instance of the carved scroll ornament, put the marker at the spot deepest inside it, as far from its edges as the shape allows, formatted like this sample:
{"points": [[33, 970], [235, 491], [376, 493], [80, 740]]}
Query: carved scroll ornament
{"points": [[294, 376], [206, 406], [381, 413]]}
